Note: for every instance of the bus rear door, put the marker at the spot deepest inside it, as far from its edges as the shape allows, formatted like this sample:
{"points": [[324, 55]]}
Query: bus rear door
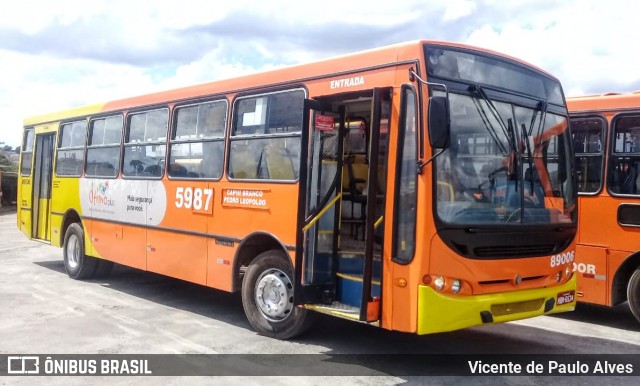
{"points": [[43, 170]]}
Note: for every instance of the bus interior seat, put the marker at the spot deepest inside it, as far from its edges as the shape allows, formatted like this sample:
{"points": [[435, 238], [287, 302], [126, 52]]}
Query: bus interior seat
{"points": [[354, 164], [154, 171], [624, 181], [242, 163], [356, 182], [177, 170], [279, 165], [103, 169]]}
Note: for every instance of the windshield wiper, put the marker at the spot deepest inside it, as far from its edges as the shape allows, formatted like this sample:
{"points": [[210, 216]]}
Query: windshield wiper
{"points": [[489, 126], [525, 138], [478, 90], [507, 131], [526, 134], [543, 110]]}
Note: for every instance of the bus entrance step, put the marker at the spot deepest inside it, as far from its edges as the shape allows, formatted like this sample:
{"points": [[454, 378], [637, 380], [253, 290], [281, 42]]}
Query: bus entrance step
{"points": [[336, 309], [349, 289]]}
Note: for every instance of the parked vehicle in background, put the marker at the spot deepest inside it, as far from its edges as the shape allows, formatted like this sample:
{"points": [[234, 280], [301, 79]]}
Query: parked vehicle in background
{"points": [[606, 140]]}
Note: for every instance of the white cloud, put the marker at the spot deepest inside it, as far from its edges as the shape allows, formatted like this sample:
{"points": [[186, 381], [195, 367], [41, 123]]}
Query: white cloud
{"points": [[586, 44], [50, 84], [457, 9], [75, 52]]}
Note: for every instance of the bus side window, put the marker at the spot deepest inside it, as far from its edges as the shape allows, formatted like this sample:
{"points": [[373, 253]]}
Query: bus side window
{"points": [[265, 136], [70, 154], [103, 149], [197, 140], [624, 158], [587, 136], [145, 148]]}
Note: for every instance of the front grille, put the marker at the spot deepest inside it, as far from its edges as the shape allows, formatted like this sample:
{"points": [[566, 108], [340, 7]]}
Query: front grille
{"points": [[513, 251]]}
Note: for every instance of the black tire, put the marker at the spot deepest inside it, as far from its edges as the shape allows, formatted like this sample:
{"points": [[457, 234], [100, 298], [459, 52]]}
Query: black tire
{"points": [[633, 294], [103, 268], [78, 265], [271, 274]]}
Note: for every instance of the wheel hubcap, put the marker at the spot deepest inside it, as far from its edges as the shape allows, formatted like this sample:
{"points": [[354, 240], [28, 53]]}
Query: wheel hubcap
{"points": [[73, 251], [274, 294]]}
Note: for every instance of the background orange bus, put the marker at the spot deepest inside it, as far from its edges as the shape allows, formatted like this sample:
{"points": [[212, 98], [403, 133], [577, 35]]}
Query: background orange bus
{"points": [[421, 187], [606, 136]]}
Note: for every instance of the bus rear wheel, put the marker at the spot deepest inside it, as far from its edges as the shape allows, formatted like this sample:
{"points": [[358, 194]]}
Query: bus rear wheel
{"points": [[76, 263], [267, 297], [633, 294]]}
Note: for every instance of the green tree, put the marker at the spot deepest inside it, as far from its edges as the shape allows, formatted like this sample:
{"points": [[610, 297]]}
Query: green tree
{"points": [[6, 164]]}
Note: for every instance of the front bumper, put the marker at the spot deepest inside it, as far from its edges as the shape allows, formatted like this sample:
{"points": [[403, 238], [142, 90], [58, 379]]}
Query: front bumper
{"points": [[438, 312]]}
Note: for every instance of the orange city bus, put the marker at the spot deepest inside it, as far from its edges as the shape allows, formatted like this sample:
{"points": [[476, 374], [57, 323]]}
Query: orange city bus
{"points": [[606, 140], [421, 187]]}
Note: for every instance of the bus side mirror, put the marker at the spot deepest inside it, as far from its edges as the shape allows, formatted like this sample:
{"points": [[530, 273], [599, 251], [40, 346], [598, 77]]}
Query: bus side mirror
{"points": [[439, 122]]}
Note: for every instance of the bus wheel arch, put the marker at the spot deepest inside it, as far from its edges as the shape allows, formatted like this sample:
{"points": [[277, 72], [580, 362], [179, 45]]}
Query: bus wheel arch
{"points": [[267, 297], [249, 248], [622, 279], [70, 217]]}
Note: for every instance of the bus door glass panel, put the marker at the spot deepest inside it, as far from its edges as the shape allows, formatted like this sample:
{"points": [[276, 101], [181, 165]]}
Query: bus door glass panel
{"points": [[320, 224], [25, 187], [379, 189], [588, 146], [42, 186], [404, 225], [375, 191], [624, 163]]}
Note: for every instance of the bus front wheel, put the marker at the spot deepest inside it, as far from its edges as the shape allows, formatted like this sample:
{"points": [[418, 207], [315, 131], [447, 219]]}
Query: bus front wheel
{"points": [[76, 263], [267, 297], [633, 294]]}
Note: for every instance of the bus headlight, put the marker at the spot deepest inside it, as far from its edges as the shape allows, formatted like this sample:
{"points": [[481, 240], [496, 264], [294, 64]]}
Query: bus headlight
{"points": [[439, 283], [559, 276], [456, 286]]}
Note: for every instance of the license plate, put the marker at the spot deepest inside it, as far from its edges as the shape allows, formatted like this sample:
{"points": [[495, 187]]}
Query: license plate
{"points": [[565, 297]]}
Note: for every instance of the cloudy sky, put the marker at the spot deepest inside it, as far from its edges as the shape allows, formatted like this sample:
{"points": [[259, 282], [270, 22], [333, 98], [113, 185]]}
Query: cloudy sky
{"points": [[60, 54]]}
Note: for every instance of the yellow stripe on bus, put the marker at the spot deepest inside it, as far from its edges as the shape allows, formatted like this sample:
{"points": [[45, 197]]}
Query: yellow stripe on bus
{"points": [[61, 115]]}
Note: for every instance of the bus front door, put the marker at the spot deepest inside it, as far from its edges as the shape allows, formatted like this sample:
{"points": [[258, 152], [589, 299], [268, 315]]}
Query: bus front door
{"points": [[329, 279], [43, 170], [318, 206]]}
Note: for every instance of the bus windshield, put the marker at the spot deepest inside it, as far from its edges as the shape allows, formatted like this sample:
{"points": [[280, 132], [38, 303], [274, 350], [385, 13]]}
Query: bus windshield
{"points": [[506, 164]]}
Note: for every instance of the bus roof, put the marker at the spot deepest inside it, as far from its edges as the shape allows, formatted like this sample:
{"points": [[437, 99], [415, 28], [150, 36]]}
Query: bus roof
{"points": [[331, 67], [604, 102]]}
